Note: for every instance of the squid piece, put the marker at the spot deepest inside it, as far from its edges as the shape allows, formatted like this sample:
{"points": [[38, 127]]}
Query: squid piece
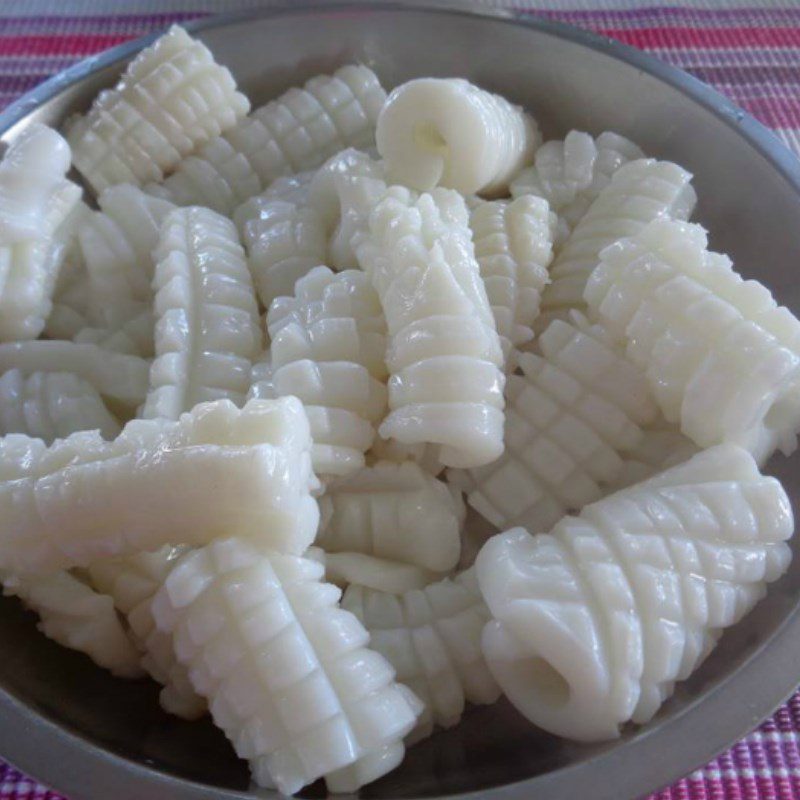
{"points": [[393, 511], [133, 335], [207, 330], [74, 615], [287, 673], [328, 345], [132, 584], [722, 358], [513, 246], [171, 99], [217, 470], [448, 132], [115, 376], [571, 418], [284, 242], [571, 173], [596, 621], [293, 189], [294, 133], [381, 574], [432, 638], [639, 192], [52, 405], [444, 354]]}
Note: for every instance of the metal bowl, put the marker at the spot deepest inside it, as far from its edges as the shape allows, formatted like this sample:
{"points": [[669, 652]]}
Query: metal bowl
{"points": [[93, 737]]}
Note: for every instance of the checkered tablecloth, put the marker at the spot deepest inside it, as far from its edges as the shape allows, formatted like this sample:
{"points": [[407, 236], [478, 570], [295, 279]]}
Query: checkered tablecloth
{"points": [[749, 51]]}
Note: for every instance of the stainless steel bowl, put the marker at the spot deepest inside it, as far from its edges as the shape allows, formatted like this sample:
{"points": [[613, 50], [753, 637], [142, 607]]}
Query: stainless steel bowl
{"points": [[93, 737]]}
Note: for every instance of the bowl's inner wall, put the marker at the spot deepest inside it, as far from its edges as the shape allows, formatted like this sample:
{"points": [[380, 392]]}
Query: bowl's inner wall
{"points": [[751, 211]]}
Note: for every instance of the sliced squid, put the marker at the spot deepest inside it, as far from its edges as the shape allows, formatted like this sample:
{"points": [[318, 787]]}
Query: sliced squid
{"points": [[287, 673], [51, 405], [216, 471], [133, 334], [432, 638], [372, 572], [394, 511], [207, 329], [449, 132], [132, 583], [294, 133], [171, 99], [444, 354], [596, 621], [639, 192], [513, 246], [722, 358], [328, 345]]}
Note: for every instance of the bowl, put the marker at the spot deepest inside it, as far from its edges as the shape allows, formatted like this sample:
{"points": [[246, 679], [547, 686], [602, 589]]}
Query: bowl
{"points": [[94, 737]]}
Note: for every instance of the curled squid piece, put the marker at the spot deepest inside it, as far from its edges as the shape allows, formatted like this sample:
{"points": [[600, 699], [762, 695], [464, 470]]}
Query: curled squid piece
{"points": [[394, 511], [118, 377], [371, 572], [172, 98], [294, 188], [284, 242], [294, 133], [287, 673], [117, 245], [52, 405], [513, 246], [328, 345], [722, 358], [207, 326], [449, 132], [132, 583], [74, 615], [596, 621], [391, 450], [572, 415], [432, 638], [216, 470], [132, 335], [638, 193], [444, 355], [571, 173]]}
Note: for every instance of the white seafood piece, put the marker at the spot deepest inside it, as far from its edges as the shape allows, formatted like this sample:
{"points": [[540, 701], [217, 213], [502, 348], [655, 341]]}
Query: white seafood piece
{"points": [[217, 470], [171, 98], [132, 335], [513, 246], [74, 615], [448, 132], [35, 196], [722, 358], [344, 191], [294, 188], [432, 638], [287, 672], [207, 328], [391, 450], [638, 193], [294, 133], [444, 354], [132, 583], [328, 346], [571, 173], [662, 446], [284, 242], [371, 572], [394, 511], [51, 405], [596, 621], [261, 385], [116, 376]]}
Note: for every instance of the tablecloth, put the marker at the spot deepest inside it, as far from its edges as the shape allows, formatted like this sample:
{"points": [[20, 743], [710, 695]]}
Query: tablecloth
{"points": [[749, 51]]}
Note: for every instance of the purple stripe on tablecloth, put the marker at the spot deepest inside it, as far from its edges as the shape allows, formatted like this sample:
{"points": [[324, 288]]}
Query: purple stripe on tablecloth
{"points": [[747, 75]]}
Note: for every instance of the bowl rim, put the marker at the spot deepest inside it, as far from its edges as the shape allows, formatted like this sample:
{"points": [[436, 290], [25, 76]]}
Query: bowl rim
{"points": [[653, 758]]}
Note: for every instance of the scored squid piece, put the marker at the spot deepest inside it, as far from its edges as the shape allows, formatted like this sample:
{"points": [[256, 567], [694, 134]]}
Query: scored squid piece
{"points": [[217, 470], [171, 98], [722, 358], [371, 572], [394, 511], [293, 133], [444, 354], [638, 193], [287, 672], [432, 637], [596, 621], [207, 330], [449, 132]]}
